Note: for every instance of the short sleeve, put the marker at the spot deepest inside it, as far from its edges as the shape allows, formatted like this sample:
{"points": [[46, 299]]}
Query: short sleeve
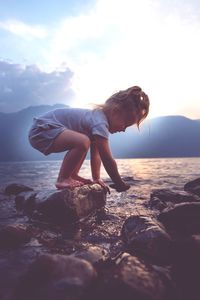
{"points": [[101, 129]]}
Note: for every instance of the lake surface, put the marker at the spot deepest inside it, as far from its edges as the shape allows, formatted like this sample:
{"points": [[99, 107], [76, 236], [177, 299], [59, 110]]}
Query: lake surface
{"points": [[143, 174]]}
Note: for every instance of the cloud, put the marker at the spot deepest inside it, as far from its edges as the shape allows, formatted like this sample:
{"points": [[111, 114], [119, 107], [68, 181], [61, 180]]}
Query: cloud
{"points": [[121, 43], [115, 44], [23, 30], [22, 86]]}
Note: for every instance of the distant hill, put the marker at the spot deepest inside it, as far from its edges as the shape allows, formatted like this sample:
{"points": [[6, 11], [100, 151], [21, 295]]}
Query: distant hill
{"points": [[14, 134], [169, 136]]}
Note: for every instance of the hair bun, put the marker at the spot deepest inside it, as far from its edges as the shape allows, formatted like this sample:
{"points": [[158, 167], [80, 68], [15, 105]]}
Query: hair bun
{"points": [[136, 89]]}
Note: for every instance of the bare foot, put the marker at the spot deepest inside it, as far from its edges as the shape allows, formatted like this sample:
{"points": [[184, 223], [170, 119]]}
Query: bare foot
{"points": [[68, 183], [81, 179]]}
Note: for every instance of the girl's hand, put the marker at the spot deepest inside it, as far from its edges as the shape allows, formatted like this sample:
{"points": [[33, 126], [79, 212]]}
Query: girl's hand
{"points": [[120, 187], [103, 185]]}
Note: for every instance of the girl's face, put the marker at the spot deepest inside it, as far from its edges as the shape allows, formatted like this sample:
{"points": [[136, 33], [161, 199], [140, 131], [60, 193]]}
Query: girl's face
{"points": [[119, 121]]}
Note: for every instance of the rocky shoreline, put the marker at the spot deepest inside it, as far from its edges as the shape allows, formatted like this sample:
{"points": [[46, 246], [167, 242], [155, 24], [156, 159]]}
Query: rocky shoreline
{"points": [[72, 245]]}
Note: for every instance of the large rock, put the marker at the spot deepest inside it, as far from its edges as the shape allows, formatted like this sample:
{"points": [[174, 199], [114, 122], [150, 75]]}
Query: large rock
{"points": [[166, 198], [147, 237], [184, 218], [133, 279], [193, 186], [62, 206], [57, 277]]}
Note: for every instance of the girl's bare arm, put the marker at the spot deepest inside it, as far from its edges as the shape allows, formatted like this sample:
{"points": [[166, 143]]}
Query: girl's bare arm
{"points": [[95, 161], [109, 162]]}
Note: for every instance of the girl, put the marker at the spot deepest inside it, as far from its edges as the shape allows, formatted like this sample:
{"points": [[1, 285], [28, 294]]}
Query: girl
{"points": [[77, 130]]}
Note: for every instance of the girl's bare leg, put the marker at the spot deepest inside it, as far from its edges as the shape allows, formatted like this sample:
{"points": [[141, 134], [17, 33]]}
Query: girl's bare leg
{"points": [[78, 145], [79, 178]]}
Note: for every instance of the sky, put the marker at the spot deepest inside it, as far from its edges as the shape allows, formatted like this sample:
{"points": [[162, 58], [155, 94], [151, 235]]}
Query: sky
{"points": [[82, 51]]}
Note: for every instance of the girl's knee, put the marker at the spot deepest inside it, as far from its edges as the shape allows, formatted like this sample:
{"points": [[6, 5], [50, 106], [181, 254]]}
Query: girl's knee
{"points": [[84, 143]]}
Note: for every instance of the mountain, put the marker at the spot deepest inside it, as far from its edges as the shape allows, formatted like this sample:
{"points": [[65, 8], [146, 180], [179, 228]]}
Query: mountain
{"points": [[169, 136], [14, 134]]}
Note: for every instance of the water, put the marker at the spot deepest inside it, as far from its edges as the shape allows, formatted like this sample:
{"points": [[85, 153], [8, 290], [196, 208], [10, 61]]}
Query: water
{"points": [[143, 174]]}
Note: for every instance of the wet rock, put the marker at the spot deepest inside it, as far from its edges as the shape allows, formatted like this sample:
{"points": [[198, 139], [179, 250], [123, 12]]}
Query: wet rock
{"points": [[14, 235], [16, 188], [147, 237], [193, 186], [57, 277], [62, 206], [184, 218], [133, 279], [165, 198], [93, 254]]}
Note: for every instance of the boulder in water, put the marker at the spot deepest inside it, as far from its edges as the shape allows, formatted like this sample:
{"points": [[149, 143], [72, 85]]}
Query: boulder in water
{"points": [[146, 237], [193, 186], [183, 218]]}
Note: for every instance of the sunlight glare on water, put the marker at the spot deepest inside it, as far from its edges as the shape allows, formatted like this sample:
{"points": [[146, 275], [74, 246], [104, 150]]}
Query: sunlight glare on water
{"points": [[147, 174]]}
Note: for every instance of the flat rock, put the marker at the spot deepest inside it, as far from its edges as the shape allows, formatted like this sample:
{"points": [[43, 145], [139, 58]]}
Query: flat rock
{"points": [[16, 188], [146, 237], [163, 198]]}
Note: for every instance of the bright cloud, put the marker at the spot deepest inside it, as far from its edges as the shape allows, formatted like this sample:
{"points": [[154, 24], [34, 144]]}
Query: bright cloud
{"points": [[116, 44], [24, 30], [122, 43]]}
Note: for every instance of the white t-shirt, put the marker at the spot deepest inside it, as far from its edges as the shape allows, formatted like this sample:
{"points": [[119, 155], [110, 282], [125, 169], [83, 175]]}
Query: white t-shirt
{"points": [[86, 121], [47, 127]]}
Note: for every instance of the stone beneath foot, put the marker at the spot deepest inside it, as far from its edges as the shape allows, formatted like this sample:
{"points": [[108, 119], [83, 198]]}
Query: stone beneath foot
{"points": [[183, 218], [62, 206], [193, 186], [57, 277], [147, 238]]}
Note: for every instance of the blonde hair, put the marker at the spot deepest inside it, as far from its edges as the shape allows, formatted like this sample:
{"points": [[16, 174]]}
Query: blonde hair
{"points": [[129, 100]]}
